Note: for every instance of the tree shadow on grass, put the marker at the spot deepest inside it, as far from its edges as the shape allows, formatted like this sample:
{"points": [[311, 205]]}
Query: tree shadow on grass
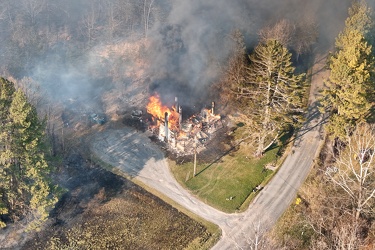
{"points": [[234, 148]]}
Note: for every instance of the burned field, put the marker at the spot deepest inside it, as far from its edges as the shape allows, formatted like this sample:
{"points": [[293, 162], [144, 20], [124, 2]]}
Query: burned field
{"points": [[101, 210]]}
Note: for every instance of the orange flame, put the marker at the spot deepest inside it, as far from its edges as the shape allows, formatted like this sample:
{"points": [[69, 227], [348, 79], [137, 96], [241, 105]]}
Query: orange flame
{"points": [[182, 134], [158, 110]]}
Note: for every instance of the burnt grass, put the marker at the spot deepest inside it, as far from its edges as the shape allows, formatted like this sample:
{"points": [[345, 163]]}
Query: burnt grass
{"points": [[101, 210]]}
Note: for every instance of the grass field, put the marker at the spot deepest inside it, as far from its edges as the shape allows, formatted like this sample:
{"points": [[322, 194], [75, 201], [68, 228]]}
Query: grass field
{"points": [[228, 183], [199, 243]]}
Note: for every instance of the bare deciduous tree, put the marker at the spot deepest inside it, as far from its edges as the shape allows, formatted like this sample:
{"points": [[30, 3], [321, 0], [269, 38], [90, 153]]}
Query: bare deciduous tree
{"points": [[256, 243], [147, 8], [89, 24], [31, 89], [297, 36], [354, 170], [113, 18], [234, 73], [32, 9], [282, 31], [305, 35], [258, 239], [345, 237]]}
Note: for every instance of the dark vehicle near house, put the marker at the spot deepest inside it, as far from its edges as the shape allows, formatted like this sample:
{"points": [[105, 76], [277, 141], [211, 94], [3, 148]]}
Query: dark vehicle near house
{"points": [[137, 114]]}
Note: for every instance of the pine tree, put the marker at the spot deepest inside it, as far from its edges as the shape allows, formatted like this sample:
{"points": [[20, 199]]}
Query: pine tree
{"points": [[24, 185], [273, 93], [6, 93], [350, 87]]}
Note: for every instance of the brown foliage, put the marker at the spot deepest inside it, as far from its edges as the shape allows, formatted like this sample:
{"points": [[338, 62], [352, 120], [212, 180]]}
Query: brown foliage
{"points": [[297, 36], [282, 31], [326, 211], [234, 73]]}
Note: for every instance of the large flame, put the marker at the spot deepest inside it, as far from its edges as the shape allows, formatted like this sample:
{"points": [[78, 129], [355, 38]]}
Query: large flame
{"points": [[158, 110]]}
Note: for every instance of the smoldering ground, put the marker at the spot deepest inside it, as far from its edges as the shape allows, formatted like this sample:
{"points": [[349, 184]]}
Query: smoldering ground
{"points": [[183, 44]]}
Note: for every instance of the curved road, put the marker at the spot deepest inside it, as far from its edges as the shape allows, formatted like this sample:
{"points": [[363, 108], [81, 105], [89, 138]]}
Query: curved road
{"points": [[136, 155]]}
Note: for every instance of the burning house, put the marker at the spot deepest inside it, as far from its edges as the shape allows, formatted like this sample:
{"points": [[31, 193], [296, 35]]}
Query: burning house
{"points": [[182, 136]]}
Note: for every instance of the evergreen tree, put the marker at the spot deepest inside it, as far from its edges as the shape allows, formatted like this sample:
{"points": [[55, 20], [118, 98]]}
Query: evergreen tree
{"points": [[350, 87], [273, 94], [6, 93], [24, 184]]}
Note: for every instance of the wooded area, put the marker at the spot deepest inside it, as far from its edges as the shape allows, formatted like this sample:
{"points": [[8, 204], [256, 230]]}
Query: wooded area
{"points": [[265, 88], [25, 188], [350, 88], [336, 204], [104, 52]]}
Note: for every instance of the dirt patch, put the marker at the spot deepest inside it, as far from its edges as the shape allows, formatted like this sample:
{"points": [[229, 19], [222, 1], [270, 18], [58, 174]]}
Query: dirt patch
{"points": [[101, 210]]}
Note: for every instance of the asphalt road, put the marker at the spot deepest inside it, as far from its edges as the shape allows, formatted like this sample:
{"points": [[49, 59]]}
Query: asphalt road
{"points": [[135, 154]]}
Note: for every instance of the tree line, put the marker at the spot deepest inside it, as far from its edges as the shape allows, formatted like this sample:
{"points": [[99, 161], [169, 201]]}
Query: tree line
{"points": [[338, 199], [348, 100], [265, 85], [25, 188], [31, 29]]}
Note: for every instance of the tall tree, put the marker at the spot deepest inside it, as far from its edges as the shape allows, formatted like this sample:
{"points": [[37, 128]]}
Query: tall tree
{"points": [[305, 35], [6, 93], [282, 31], [90, 24], [350, 88], [234, 73], [273, 93], [297, 36], [147, 9], [355, 169], [24, 185]]}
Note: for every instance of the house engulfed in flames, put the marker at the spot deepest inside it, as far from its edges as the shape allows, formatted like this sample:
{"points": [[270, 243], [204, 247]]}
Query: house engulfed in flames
{"points": [[184, 137]]}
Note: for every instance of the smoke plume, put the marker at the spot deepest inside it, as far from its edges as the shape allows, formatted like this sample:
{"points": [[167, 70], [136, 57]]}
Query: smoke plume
{"points": [[177, 48], [192, 46]]}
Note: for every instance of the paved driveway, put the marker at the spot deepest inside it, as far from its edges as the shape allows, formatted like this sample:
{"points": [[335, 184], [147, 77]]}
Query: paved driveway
{"points": [[135, 154]]}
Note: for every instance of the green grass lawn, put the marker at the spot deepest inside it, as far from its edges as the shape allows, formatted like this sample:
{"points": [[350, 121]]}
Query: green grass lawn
{"points": [[235, 175]]}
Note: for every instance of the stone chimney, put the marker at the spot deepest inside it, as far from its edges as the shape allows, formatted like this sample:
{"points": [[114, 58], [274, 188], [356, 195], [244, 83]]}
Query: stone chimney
{"points": [[179, 117], [166, 126], [176, 104]]}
